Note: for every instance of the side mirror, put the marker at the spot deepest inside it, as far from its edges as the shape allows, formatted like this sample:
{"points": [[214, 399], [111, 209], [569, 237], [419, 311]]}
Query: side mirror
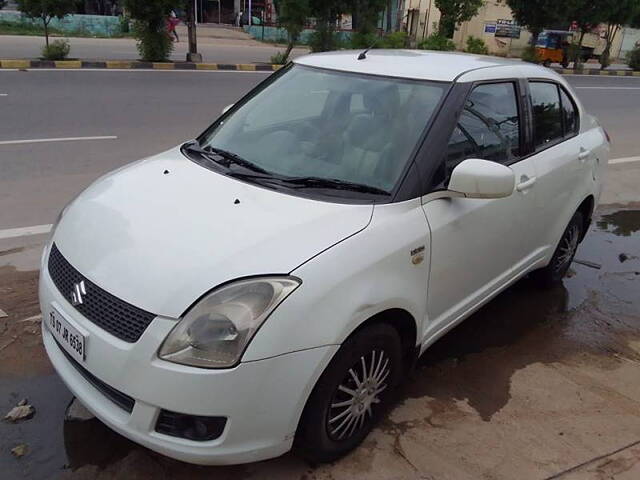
{"points": [[475, 178], [224, 110]]}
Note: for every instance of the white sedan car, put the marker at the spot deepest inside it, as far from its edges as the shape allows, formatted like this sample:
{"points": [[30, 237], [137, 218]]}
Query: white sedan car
{"points": [[267, 285]]}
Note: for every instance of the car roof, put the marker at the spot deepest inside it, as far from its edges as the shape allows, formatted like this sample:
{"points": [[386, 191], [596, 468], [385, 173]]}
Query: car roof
{"points": [[424, 65]]}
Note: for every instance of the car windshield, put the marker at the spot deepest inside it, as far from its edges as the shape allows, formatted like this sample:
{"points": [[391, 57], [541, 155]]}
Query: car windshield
{"points": [[327, 126]]}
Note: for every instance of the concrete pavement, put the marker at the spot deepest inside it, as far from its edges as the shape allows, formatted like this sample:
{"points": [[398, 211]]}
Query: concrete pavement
{"points": [[220, 50], [538, 384]]}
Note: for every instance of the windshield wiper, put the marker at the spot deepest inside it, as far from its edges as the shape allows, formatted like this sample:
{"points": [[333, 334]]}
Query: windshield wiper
{"points": [[222, 157], [231, 157], [332, 183], [194, 147]]}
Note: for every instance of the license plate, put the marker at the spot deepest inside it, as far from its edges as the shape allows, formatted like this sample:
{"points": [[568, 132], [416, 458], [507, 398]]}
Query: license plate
{"points": [[68, 336]]}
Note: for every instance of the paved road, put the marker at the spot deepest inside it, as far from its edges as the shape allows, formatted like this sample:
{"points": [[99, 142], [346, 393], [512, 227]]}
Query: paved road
{"points": [[535, 383], [152, 111], [219, 50]]}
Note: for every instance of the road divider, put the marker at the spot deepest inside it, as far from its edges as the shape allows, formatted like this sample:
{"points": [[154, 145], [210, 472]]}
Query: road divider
{"points": [[133, 65], [240, 67], [66, 139]]}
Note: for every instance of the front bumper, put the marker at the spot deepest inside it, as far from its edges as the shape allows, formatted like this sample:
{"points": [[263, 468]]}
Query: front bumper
{"points": [[262, 400]]}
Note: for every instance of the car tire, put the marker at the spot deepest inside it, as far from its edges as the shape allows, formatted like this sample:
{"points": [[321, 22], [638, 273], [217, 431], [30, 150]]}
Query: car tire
{"points": [[329, 427], [546, 63], [553, 273]]}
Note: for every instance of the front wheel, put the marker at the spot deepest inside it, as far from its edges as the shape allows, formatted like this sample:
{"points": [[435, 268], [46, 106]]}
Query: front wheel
{"points": [[351, 394], [553, 273]]}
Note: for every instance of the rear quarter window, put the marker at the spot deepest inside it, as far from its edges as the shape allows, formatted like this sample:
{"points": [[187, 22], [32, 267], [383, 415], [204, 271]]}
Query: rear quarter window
{"points": [[569, 114]]}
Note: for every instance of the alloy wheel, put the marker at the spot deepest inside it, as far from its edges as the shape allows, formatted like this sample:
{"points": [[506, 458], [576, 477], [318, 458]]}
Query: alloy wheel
{"points": [[358, 394], [568, 247]]}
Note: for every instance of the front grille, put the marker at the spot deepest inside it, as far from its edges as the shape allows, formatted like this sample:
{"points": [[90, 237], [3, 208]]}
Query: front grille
{"points": [[122, 400], [119, 318]]}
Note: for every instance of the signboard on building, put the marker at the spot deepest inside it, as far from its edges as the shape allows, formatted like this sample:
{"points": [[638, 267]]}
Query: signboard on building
{"points": [[489, 28], [507, 29]]}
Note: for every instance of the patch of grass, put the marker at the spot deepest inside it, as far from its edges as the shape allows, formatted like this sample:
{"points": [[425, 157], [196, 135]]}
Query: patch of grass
{"points": [[57, 50], [279, 58], [24, 28]]}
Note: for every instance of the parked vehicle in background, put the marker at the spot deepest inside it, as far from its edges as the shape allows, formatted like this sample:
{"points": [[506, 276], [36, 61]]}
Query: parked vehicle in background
{"points": [[554, 46], [267, 285]]}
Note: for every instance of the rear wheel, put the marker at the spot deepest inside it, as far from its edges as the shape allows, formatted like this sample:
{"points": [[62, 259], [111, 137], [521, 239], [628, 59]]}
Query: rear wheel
{"points": [[553, 273], [547, 63], [351, 394]]}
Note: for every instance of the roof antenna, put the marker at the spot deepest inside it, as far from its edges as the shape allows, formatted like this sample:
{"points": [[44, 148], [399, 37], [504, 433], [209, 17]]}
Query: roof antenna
{"points": [[363, 55]]}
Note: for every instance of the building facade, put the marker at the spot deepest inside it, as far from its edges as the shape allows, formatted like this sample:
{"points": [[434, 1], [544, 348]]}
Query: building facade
{"points": [[494, 24]]}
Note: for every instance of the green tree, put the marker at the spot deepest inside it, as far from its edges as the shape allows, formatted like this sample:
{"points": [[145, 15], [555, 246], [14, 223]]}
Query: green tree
{"points": [[292, 15], [326, 13], [537, 14], [616, 13], [150, 16], [587, 14], [365, 14], [46, 10], [454, 12]]}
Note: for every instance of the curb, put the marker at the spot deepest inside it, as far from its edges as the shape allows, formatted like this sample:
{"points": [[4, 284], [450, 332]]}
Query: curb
{"points": [[133, 65], [597, 72], [240, 67]]}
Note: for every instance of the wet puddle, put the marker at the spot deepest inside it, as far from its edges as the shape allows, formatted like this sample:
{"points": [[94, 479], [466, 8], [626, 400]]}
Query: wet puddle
{"points": [[591, 318]]}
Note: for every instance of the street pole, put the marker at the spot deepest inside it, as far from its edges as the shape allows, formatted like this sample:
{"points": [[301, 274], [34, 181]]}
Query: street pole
{"points": [[250, 19], [192, 55]]}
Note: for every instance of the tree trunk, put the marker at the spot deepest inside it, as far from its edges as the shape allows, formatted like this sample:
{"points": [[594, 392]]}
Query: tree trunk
{"points": [[577, 61], [287, 52], [46, 31], [605, 57], [389, 6], [191, 31]]}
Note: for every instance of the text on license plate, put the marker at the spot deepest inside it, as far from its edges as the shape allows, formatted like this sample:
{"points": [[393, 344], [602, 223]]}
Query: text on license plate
{"points": [[67, 336]]}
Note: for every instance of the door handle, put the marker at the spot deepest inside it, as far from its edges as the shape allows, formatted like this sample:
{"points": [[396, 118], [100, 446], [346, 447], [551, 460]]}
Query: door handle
{"points": [[584, 154], [525, 183]]}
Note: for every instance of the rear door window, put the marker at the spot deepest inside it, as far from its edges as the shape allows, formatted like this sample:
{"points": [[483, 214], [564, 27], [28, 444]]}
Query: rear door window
{"points": [[547, 113]]}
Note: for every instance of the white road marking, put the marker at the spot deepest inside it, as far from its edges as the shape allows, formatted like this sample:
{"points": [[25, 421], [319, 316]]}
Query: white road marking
{"points": [[67, 139], [4, 94], [25, 231], [607, 88], [624, 160]]}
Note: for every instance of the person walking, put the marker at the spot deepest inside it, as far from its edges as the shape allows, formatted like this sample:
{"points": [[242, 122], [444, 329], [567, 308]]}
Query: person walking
{"points": [[172, 22]]}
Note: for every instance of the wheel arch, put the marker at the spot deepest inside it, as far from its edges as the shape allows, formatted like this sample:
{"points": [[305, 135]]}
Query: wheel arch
{"points": [[406, 326], [586, 208]]}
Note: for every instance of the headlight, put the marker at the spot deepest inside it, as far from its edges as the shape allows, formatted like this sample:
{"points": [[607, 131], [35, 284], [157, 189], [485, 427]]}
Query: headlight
{"points": [[216, 331]]}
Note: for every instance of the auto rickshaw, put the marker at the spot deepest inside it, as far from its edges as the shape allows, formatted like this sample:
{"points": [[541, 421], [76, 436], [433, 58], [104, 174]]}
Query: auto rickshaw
{"points": [[552, 46]]}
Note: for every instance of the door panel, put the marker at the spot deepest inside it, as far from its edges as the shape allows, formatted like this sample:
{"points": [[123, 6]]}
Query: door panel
{"points": [[476, 246], [565, 162], [479, 245]]}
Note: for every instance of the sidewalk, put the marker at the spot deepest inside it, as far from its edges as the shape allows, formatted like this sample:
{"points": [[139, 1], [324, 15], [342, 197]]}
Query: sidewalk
{"points": [[213, 49]]}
